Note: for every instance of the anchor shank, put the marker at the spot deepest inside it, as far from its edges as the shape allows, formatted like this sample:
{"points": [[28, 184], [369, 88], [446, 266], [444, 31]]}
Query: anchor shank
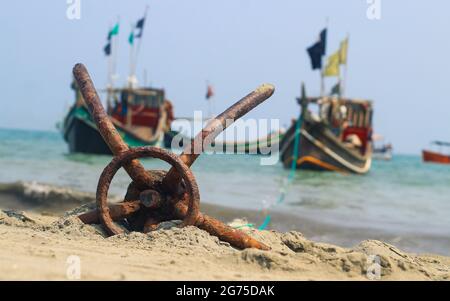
{"points": [[106, 127], [215, 127]]}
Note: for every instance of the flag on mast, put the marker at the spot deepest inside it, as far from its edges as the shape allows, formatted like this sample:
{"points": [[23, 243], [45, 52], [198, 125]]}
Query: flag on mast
{"points": [[318, 50], [137, 30], [107, 49], [332, 68], [343, 52], [336, 90], [131, 38], [113, 32], [140, 26], [209, 92]]}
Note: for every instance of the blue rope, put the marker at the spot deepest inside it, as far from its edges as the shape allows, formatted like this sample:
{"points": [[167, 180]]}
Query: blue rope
{"points": [[291, 176]]}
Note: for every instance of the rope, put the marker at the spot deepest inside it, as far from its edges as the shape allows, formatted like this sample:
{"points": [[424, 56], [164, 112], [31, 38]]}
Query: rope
{"points": [[284, 188], [290, 178]]}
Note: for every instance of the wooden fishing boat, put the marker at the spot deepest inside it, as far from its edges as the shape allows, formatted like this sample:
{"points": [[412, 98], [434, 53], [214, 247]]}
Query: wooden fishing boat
{"points": [[142, 116], [262, 146], [435, 156], [337, 138], [381, 151]]}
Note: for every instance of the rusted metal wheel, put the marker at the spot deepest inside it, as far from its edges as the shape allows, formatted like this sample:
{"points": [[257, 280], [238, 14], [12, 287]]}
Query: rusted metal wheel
{"points": [[145, 152]]}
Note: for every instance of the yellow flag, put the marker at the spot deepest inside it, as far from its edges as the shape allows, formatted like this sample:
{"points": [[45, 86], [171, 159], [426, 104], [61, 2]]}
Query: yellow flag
{"points": [[332, 68], [343, 52]]}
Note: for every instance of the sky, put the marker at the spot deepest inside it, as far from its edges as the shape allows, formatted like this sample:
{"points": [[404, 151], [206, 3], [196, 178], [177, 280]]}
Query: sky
{"points": [[400, 61]]}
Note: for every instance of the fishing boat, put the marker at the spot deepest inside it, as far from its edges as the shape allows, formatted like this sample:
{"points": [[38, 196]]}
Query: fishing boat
{"points": [[338, 138], [337, 135], [142, 116], [438, 157], [265, 145], [381, 151], [261, 146]]}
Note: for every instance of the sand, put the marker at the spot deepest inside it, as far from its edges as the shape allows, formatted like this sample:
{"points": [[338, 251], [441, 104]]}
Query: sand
{"points": [[37, 246]]}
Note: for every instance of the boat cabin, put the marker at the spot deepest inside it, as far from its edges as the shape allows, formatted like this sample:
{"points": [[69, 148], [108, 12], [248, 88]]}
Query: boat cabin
{"points": [[143, 111], [349, 120], [137, 107]]}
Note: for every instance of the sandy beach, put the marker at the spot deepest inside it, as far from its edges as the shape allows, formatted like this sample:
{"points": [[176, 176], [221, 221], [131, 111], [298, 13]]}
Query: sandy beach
{"points": [[40, 244]]}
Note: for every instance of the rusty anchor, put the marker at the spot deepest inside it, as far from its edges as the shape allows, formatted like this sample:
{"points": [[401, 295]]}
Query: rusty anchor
{"points": [[157, 196]]}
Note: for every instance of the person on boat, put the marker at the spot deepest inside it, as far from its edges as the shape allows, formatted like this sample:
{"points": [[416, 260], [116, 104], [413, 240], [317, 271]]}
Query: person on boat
{"points": [[168, 108], [353, 141], [338, 117]]}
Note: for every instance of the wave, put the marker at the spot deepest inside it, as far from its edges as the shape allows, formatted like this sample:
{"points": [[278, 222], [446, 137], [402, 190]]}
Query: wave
{"points": [[42, 197]]}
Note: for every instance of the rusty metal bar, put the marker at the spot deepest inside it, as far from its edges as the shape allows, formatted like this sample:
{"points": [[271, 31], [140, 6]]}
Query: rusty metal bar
{"points": [[216, 126], [106, 127], [117, 211], [235, 237]]}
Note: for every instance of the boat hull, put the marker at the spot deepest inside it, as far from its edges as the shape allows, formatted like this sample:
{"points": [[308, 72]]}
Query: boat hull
{"points": [[382, 155], [433, 157], [263, 146], [82, 136], [319, 150]]}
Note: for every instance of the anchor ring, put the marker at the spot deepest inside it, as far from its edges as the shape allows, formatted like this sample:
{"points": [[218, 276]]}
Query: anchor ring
{"points": [[145, 152]]}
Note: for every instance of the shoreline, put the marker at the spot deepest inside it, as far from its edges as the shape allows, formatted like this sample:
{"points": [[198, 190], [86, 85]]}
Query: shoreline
{"points": [[55, 200], [38, 246]]}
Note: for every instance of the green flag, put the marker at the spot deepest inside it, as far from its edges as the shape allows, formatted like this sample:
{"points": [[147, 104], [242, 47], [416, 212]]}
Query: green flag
{"points": [[131, 38], [336, 90], [114, 31]]}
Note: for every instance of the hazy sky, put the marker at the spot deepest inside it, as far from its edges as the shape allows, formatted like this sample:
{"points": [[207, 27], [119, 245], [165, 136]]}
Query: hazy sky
{"points": [[402, 61]]}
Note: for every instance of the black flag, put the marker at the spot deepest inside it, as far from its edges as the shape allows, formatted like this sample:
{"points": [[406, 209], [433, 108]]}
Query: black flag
{"points": [[140, 26], [107, 49], [318, 50], [323, 41]]}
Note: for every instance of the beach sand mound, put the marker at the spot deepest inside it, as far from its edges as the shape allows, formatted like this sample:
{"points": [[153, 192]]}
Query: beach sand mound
{"points": [[35, 246]]}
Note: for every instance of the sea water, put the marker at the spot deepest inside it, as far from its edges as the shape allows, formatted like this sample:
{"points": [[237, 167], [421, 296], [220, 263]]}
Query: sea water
{"points": [[402, 197]]}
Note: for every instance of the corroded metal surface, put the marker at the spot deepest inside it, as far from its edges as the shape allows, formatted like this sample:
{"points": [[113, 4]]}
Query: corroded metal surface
{"points": [[156, 196], [141, 152], [105, 126], [218, 125]]}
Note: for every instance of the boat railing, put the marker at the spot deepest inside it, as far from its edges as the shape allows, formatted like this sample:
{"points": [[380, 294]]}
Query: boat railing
{"points": [[331, 99]]}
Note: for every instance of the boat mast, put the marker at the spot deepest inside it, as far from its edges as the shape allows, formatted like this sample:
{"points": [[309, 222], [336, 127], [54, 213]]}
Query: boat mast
{"points": [[115, 50], [140, 40], [109, 77], [134, 53], [322, 76], [132, 76], [344, 83], [112, 59]]}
